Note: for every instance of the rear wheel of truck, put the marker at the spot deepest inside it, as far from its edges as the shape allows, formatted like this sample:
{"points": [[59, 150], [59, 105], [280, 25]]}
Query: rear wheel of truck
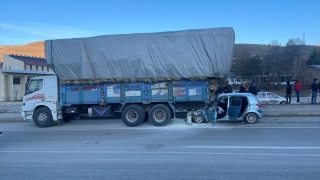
{"points": [[132, 115], [160, 115], [144, 114], [42, 117]]}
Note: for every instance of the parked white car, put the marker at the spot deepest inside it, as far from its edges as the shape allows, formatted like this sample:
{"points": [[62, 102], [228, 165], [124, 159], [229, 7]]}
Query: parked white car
{"points": [[270, 98]]}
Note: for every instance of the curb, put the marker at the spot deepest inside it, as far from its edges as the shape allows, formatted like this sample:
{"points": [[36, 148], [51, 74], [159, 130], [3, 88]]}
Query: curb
{"points": [[290, 113]]}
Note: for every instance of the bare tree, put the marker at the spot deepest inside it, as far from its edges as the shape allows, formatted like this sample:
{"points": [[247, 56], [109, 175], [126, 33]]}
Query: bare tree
{"points": [[275, 43], [247, 66], [293, 51], [314, 58]]}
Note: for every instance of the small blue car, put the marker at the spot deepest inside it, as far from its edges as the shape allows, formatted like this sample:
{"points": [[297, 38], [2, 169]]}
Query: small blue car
{"points": [[230, 107]]}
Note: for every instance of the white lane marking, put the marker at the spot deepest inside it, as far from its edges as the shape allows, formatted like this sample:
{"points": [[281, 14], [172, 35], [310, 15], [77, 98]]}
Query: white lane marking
{"points": [[160, 152], [252, 147]]}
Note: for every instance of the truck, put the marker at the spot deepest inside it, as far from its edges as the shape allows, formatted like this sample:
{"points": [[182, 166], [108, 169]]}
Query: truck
{"points": [[143, 76]]}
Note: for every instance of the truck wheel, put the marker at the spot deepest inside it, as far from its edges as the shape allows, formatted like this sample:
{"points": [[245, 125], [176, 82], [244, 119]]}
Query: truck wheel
{"points": [[132, 115], [144, 114], [160, 115], [42, 117], [198, 118], [251, 118]]}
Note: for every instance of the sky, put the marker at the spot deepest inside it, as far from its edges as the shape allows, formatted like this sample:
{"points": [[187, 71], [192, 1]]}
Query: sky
{"points": [[254, 21]]}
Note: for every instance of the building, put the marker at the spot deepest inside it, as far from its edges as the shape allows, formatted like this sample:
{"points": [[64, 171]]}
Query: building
{"points": [[309, 73], [16, 71]]}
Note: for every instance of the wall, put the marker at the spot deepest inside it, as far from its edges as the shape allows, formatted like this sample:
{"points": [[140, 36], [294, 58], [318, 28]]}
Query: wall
{"points": [[13, 63], [308, 74]]}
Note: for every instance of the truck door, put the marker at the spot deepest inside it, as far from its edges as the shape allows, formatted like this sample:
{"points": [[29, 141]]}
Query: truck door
{"points": [[34, 93], [234, 108]]}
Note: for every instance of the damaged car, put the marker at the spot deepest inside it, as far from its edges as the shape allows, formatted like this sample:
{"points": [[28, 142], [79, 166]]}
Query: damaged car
{"points": [[230, 107]]}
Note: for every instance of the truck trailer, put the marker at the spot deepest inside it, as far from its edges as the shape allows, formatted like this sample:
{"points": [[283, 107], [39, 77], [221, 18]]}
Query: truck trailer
{"points": [[145, 76]]}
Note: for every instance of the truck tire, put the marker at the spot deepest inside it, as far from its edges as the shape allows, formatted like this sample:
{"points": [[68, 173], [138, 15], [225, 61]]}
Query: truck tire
{"points": [[42, 117], [160, 115], [144, 114], [132, 115]]}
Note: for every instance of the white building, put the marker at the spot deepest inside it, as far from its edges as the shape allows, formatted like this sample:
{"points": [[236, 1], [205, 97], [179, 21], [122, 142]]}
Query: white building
{"points": [[16, 71]]}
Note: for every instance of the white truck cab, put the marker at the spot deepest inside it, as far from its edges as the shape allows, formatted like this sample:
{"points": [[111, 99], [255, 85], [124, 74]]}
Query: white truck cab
{"points": [[41, 101]]}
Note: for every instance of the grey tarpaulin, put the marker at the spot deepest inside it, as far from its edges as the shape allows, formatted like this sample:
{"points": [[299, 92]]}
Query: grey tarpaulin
{"points": [[176, 54]]}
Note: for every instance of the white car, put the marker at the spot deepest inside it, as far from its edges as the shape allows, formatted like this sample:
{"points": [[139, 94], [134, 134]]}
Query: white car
{"points": [[270, 98]]}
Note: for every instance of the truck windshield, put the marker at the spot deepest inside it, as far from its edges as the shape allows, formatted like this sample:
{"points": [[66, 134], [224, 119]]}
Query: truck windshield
{"points": [[34, 85]]}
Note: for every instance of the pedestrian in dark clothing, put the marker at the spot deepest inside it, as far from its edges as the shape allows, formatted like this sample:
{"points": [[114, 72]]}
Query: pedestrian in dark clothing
{"points": [[297, 88], [254, 89], [314, 89], [227, 88], [288, 93], [243, 88], [219, 90]]}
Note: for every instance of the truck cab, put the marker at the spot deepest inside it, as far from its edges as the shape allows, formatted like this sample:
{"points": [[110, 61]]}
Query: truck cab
{"points": [[40, 102]]}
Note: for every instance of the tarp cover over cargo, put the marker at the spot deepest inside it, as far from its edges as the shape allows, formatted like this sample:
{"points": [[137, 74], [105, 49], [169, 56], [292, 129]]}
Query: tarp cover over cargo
{"points": [[186, 54]]}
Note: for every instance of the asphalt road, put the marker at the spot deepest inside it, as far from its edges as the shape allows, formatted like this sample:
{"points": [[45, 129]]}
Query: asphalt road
{"points": [[274, 148]]}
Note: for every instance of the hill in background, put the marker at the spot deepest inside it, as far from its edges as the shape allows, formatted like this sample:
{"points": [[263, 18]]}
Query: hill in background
{"points": [[37, 49], [32, 49]]}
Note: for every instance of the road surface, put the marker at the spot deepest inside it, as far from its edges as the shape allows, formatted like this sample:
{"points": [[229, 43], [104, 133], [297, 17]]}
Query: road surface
{"points": [[275, 148]]}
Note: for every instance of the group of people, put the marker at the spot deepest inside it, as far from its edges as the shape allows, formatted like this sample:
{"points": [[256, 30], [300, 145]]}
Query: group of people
{"points": [[226, 88], [315, 87], [253, 89], [297, 88]]}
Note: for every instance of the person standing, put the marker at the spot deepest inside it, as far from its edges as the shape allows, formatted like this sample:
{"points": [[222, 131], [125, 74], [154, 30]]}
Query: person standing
{"points": [[227, 88], [243, 88], [254, 89], [288, 93], [297, 88], [219, 89], [314, 89]]}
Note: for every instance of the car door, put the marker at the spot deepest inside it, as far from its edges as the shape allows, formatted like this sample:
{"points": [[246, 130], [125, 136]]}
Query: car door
{"points": [[272, 98], [262, 97], [234, 107]]}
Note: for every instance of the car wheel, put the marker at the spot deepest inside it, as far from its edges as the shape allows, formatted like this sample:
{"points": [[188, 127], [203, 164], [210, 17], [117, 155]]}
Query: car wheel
{"points": [[283, 102], [42, 117], [198, 118], [251, 118]]}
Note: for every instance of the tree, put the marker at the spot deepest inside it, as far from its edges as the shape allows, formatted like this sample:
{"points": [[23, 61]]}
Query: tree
{"points": [[247, 66], [293, 54], [314, 58], [275, 43], [274, 64]]}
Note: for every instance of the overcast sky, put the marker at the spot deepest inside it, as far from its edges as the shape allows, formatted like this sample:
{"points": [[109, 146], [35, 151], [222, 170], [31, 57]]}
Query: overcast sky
{"points": [[254, 21]]}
